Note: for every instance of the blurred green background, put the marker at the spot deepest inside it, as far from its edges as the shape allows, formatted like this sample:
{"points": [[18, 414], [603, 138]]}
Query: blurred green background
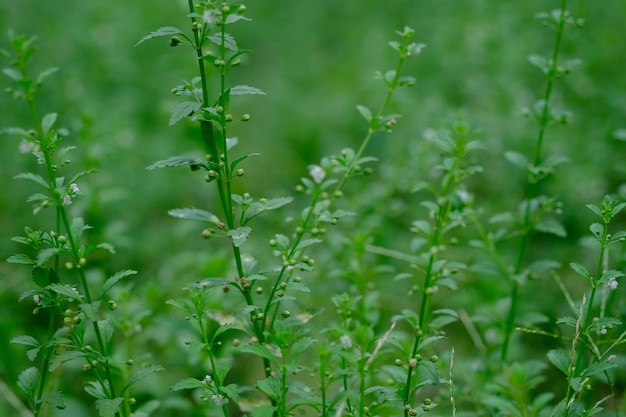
{"points": [[316, 61]]}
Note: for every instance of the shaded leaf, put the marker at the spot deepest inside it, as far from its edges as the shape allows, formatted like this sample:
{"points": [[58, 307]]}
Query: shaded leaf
{"points": [[182, 110], [107, 407], [240, 90], [141, 373], [560, 359], [33, 177], [188, 383], [192, 213], [114, 279], [28, 380], [239, 235], [163, 31], [65, 290]]}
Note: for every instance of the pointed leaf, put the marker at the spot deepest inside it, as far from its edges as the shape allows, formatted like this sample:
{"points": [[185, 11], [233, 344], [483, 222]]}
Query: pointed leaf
{"points": [[300, 346], [141, 374], [114, 279], [188, 383], [192, 213], [560, 359], [182, 110], [176, 161], [163, 31], [239, 235], [26, 341], [551, 226], [240, 90], [598, 368], [47, 122], [28, 381], [109, 408], [222, 367], [45, 254], [33, 177], [263, 411], [20, 258]]}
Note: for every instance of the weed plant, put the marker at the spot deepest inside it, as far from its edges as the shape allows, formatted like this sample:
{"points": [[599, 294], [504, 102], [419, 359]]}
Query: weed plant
{"points": [[306, 304]]}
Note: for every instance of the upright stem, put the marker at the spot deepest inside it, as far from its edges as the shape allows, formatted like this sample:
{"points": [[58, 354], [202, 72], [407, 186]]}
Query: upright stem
{"points": [[532, 186]]}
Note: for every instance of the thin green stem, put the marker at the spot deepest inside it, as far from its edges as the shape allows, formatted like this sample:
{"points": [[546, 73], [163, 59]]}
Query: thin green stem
{"points": [[532, 186]]}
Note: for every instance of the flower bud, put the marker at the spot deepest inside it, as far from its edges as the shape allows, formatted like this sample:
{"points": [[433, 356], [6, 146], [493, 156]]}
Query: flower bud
{"points": [[245, 117], [174, 41]]}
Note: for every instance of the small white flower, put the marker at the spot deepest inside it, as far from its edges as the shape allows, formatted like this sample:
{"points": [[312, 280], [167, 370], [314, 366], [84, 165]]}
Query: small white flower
{"points": [[37, 299], [603, 330], [219, 399], [317, 173], [612, 284], [26, 146], [74, 188], [207, 17], [207, 379], [67, 200], [345, 341]]}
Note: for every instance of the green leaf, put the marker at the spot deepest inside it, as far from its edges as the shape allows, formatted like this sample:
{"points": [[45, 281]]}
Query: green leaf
{"points": [[229, 41], [177, 161], [95, 389], [271, 387], [28, 381], [182, 110], [551, 226], [47, 122], [239, 235], [65, 357], [188, 383], [107, 407], [141, 373], [163, 31], [91, 310], [55, 399], [240, 90], [33, 177], [20, 258], [45, 74], [106, 328], [13, 74], [259, 350], [365, 112], [236, 162], [300, 346], [560, 359], [580, 270], [598, 368], [45, 255], [222, 367], [596, 229], [65, 290], [26, 341], [192, 213], [114, 279], [263, 411], [517, 158], [540, 62]]}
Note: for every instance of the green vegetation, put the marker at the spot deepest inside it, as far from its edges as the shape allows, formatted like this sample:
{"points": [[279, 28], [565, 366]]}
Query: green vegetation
{"points": [[301, 209]]}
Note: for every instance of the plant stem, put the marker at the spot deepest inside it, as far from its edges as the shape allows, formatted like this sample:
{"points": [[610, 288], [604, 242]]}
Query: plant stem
{"points": [[527, 228]]}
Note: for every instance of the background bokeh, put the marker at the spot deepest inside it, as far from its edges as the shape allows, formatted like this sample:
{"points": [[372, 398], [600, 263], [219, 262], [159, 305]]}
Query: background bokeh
{"points": [[316, 61]]}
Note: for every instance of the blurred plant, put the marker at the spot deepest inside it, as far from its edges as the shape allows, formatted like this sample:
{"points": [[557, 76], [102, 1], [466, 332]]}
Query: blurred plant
{"points": [[61, 251]]}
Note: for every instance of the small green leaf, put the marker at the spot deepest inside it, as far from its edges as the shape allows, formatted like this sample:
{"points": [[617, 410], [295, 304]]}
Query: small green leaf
{"points": [[560, 359], [45, 255], [20, 258], [192, 213], [580, 270], [222, 367], [13, 74], [55, 399], [239, 235], [240, 90], [263, 411], [114, 279], [236, 162], [259, 350], [540, 62], [33, 177], [517, 158], [47, 122], [109, 408], [164, 31], [141, 373], [188, 383], [551, 226], [65, 357], [91, 310], [28, 381], [365, 112], [182, 110], [300, 346], [45, 74], [229, 41], [177, 161], [65, 290], [26, 341], [271, 387], [598, 368]]}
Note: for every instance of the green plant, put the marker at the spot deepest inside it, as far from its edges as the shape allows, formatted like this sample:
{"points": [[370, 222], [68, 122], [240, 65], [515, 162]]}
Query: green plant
{"points": [[79, 323]]}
